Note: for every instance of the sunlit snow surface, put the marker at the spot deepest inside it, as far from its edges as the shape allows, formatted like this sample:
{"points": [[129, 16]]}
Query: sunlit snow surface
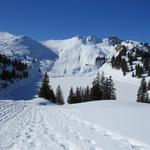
{"points": [[37, 124], [78, 55], [103, 125]]}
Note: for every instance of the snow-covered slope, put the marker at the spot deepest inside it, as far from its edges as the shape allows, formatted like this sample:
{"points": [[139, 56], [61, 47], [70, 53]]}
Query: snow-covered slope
{"points": [[6, 36], [84, 54], [101, 125], [107, 125], [126, 88], [21, 46], [27, 49], [80, 55], [30, 51]]}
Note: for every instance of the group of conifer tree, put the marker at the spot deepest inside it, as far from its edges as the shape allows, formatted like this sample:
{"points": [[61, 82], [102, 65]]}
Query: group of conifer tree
{"points": [[119, 61], [80, 95], [124, 61], [103, 88], [11, 70], [47, 92], [143, 95]]}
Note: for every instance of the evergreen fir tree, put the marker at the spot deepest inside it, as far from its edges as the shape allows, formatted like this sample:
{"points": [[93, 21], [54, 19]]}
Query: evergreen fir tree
{"points": [[86, 94], [139, 71], [59, 96], [96, 91], [113, 61], [146, 98], [124, 67], [102, 83], [148, 71], [133, 75], [146, 64], [148, 86], [131, 68], [130, 59], [78, 95], [71, 97], [45, 90], [123, 51], [112, 88], [52, 95], [109, 89], [142, 90]]}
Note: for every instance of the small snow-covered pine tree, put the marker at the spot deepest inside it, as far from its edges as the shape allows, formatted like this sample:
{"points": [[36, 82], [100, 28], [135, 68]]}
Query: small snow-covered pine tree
{"points": [[109, 89], [71, 97], [96, 90], [142, 90], [78, 95], [45, 90], [86, 95], [148, 86], [59, 96]]}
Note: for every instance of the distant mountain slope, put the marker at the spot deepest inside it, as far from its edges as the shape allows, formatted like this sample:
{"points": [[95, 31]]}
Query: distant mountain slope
{"points": [[132, 57], [81, 55], [29, 51], [19, 46]]}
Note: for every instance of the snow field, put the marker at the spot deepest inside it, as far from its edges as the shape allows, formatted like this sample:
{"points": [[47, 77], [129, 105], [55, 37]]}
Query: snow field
{"points": [[32, 125], [125, 91]]}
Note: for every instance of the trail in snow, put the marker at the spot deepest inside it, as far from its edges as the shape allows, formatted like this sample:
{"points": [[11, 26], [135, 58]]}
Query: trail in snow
{"points": [[24, 125], [119, 140]]}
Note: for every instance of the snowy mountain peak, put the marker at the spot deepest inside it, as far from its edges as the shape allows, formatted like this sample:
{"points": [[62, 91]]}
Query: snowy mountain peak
{"points": [[89, 39], [6, 36], [21, 46], [79, 55], [114, 40]]}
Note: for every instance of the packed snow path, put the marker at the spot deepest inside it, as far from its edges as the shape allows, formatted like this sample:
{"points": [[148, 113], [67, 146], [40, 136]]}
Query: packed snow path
{"points": [[31, 126]]}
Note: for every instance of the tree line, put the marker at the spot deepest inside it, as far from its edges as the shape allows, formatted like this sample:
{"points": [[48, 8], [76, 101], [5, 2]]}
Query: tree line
{"points": [[11, 70], [47, 92], [125, 61], [103, 88]]}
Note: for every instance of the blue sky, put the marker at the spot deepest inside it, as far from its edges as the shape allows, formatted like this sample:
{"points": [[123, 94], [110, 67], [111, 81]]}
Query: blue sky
{"points": [[60, 19]]}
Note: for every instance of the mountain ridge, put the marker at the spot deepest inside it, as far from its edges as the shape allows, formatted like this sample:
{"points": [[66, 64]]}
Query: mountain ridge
{"points": [[78, 55]]}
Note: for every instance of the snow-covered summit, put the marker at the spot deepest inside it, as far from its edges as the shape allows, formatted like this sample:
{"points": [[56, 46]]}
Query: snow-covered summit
{"points": [[38, 57], [89, 39], [6, 36], [12, 45], [80, 54], [74, 56], [83, 54], [114, 40]]}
